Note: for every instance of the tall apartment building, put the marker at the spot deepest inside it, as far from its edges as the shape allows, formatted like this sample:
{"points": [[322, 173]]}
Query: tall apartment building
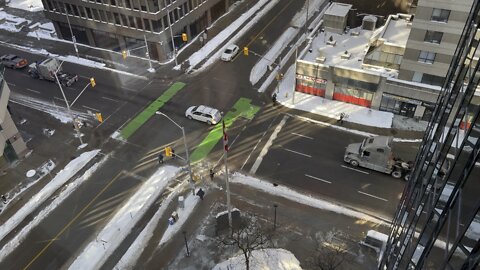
{"points": [[437, 222], [12, 145], [126, 24], [436, 29]]}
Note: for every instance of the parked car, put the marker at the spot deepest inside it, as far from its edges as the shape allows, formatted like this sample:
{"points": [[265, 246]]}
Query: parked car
{"points": [[230, 52], [13, 61], [205, 114]]}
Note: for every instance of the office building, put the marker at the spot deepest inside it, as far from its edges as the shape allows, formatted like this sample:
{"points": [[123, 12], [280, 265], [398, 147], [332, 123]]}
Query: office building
{"points": [[437, 222], [130, 24], [436, 29], [11, 142]]}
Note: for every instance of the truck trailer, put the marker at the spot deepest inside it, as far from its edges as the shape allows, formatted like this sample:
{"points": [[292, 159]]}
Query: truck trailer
{"points": [[46, 69], [376, 153]]}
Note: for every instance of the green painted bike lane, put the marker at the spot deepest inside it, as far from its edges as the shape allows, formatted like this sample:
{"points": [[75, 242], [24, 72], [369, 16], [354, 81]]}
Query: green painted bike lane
{"points": [[143, 116], [242, 108]]}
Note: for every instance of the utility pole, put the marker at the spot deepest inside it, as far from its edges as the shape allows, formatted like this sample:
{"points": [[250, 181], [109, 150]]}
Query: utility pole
{"points": [[148, 54], [225, 158], [71, 33], [171, 35]]}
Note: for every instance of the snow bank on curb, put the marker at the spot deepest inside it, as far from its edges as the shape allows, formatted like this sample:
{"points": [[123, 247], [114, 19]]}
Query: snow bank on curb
{"points": [[269, 59], [293, 195], [269, 258], [12, 244], [60, 179], [117, 229], [212, 45], [240, 34]]}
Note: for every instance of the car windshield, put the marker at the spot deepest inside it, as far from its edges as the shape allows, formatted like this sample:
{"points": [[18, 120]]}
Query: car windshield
{"points": [[228, 51]]}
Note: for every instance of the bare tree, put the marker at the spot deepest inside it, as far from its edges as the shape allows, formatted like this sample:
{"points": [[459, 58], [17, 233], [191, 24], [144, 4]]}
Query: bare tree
{"points": [[331, 251], [248, 237]]}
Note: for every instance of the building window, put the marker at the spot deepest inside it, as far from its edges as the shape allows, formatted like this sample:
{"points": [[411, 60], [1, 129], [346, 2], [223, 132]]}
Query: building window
{"points": [[417, 77], [426, 57], [131, 22], [440, 15], [433, 37], [128, 4], [432, 79], [102, 16], [89, 13], [157, 26], [165, 21], [146, 22], [110, 17], [124, 20], [117, 18]]}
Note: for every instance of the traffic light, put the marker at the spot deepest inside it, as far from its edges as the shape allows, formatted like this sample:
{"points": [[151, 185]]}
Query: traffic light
{"points": [[184, 37], [168, 151], [245, 51], [99, 117], [92, 82], [124, 54]]}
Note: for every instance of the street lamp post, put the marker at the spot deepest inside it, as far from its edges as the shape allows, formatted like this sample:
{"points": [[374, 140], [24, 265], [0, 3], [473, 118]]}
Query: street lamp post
{"points": [[74, 40], [186, 149], [306, 17], [186, 243], [69, 105], [171, 35]]}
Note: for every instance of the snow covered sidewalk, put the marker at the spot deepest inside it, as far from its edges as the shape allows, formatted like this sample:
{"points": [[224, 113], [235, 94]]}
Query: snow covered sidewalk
{"points": [[60, 179], [117, 229]]}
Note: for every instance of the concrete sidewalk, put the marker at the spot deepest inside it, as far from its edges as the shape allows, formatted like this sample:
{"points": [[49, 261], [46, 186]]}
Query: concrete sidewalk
{"points": [[296, 227]]}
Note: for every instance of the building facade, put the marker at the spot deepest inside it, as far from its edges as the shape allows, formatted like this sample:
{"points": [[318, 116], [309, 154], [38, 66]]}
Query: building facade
{"points": [[128, 24], [11, 142], [437, 222], [436, 29]]}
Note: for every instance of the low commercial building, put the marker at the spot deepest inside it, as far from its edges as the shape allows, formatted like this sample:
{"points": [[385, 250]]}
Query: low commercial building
{"points": [[11, 142], [360, 66]]}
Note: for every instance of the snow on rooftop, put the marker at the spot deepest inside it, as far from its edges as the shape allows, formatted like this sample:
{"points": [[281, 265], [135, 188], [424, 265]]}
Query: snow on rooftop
{"points": [[355, 45], [28, 5], [338, 9], [397, 30]]}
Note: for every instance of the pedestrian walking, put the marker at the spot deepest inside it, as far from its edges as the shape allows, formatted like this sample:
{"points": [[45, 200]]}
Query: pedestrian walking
{"points": [[212, 174], [4, 199], [274, 99], [342, 116], [200, 193], [173, 153], [160, 158], [201, 41]]}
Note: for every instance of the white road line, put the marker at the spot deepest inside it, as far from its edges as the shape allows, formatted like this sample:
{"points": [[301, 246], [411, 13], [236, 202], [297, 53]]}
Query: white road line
{"points": [[90, 108], [300, 135], [373, 196], [31, 90], [110, 99], [11, 84], [319, 179], [353, 169], [298, 153], [268, 144], [61, 99]]}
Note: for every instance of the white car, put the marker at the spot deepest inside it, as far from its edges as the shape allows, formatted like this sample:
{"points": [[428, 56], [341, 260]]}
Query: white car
{"points": [[230, 52], [205, 114]]}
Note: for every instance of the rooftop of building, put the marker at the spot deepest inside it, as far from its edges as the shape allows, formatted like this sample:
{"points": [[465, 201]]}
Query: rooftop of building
{"points": [[350, 47], [338, 9], [397, 29]]}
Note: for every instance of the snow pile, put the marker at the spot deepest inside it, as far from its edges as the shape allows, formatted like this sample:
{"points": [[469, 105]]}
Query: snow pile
{"points": [[299, 18], [12, 244], [293, 195], [28, 5], [60, 179], [129, 259], [278, 259], [239, 35], [183, 214], [269, 58], [212, 45], [12, 23], [119, 226], [56, 111]]}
